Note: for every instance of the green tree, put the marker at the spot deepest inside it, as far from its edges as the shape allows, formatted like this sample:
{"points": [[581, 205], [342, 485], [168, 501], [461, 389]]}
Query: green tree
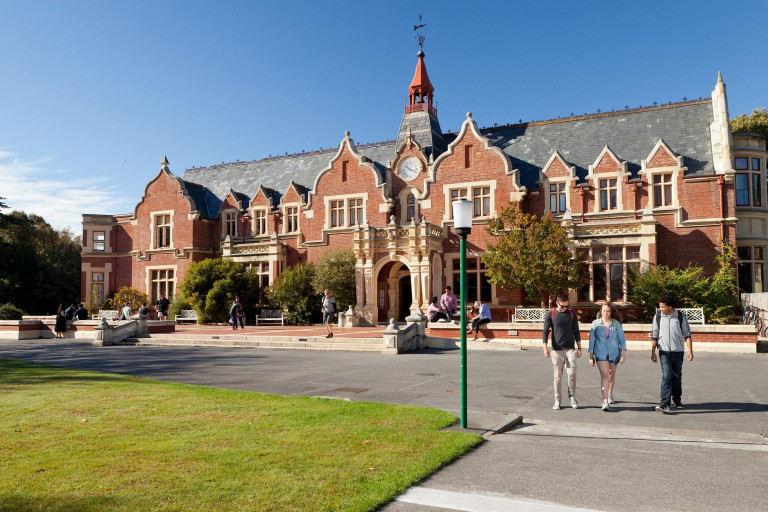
{"points": [[531, 253], [690, 285], [293, 291], [211, 285], [756, 122], [336, 272], [39, 265]]}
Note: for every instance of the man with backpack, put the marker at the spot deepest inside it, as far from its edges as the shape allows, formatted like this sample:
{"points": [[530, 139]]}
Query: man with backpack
{"points": [[566, 346], [670, 330]]}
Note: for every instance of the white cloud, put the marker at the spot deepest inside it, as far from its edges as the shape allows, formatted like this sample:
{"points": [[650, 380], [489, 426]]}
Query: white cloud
{"points": [[57, 195]]}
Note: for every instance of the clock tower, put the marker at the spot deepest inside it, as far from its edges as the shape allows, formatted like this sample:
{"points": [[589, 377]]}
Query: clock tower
{"points": [[420, 112]]}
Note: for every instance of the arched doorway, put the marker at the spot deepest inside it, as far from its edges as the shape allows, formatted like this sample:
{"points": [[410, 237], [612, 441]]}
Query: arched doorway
{"points": [[406, 297], [394, 294]]}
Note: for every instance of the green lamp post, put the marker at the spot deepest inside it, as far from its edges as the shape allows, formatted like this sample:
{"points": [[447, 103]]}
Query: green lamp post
{"points": [[462, 223]]}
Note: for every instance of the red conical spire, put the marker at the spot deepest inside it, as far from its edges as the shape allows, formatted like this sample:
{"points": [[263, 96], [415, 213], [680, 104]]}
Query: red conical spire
{"points": [[421, 92]]}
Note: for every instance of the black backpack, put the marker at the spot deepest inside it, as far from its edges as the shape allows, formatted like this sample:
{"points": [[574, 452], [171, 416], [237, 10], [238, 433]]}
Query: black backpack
{"points": [[679, 317]]}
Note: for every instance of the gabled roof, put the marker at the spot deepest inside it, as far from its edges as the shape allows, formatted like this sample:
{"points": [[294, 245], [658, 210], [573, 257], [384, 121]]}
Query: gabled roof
{"points": [[631, 135]]}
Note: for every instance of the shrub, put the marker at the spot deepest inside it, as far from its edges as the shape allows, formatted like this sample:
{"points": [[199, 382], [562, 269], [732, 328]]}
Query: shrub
{"points": [[10, 312], [336, 272], [126, 295], [293, 291]]}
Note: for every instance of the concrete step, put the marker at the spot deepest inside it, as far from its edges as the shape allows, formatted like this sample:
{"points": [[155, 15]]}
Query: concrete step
{"points": [[278, 342]]}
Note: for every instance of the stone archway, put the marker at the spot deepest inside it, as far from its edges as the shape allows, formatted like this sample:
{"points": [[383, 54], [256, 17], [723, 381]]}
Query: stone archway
{"points": [[394, 293]]}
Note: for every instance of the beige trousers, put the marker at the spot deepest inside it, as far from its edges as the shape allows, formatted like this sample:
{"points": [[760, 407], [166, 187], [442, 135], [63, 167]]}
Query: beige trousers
{"points": [[565, 358]]}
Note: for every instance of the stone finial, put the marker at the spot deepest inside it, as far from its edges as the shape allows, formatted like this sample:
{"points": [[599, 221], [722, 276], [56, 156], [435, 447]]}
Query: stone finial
{"points": [[392, 325], [719, 77], [165, 163], [346, 133], [469, 115]]}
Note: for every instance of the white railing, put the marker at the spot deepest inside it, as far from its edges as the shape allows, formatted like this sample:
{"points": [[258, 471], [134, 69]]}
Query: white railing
{"points": [[530, 314], [694, 315]]}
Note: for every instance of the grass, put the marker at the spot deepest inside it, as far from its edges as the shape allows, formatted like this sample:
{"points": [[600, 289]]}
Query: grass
{"points": [[73, 440]]}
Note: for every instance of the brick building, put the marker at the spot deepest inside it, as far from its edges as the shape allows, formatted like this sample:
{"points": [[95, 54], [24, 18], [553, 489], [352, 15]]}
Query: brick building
{"points": [[636, 187]]}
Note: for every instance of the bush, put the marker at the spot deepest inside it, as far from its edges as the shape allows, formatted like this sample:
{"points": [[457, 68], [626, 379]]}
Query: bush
{"points": [[336, 272], [10, 312], [177, 304], [716, 294], [126, 295], [293, 292], [210, 286]]}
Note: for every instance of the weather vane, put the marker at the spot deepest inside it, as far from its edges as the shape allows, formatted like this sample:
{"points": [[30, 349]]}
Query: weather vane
{"points": [[419, 36]]}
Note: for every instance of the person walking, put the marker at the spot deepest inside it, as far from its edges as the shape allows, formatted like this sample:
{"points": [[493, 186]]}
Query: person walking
{"points": [[607, 347], [481, 316], [671, 334], [435, 313], [448, 302], [329, 311], [61, 322], [234, 310], [566, 346]]}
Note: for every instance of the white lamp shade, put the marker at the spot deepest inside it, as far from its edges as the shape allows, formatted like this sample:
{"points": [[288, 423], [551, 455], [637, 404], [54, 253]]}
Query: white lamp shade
{"points": [[462, 213]]}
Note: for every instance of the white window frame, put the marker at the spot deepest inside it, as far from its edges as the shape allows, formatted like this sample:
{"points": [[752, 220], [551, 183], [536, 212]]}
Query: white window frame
{"points": [[150, 282], [287, 209], [260, 218], [229, 218], [99, 243], [347, 206], [153, 242], [404, 195], [468, 188]]}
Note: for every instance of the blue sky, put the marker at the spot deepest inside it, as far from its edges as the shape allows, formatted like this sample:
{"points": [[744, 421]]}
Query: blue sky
{"points": [[94, 93]]}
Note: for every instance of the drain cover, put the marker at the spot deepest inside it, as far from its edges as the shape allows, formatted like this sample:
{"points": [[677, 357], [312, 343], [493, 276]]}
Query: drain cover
{"points": [[351, 390]]}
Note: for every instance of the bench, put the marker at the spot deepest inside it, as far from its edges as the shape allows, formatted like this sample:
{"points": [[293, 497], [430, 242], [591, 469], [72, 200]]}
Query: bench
{"points": [[109, 314], [528, 315], [186, 315], [694, 315], [270, 316]]}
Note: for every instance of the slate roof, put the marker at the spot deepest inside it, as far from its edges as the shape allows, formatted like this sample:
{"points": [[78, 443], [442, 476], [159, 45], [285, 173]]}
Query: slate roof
{"points": [[630, 134]]}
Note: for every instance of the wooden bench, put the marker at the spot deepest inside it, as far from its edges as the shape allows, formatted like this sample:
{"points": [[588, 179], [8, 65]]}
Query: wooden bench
{"points": [[186, 315], [109, 314], [270, 316]]}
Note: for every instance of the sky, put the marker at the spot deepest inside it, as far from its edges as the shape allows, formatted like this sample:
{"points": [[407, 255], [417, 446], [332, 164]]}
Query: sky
{"points": [[93, 94]]}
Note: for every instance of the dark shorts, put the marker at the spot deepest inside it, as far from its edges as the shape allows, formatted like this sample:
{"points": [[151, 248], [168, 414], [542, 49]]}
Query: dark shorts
{"points": [[327, 317]]}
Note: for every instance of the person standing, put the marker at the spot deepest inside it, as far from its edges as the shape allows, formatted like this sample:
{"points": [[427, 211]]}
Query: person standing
{"points": [[671, 334], [61, 322], [162, 306], [435, 313], [448, 302], [566, 346], [240, 312], [482, 315], [234, 310], [329, 311], [607, 347], [143, 311]]}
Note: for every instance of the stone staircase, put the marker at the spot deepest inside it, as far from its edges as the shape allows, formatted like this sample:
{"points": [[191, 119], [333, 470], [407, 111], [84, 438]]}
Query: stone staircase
{"points": [[338, 344]]}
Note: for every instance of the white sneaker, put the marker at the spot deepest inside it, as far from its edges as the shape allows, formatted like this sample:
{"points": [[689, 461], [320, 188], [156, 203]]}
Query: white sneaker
{"points": [[611, 400], [574, 403], [557, 405], [606, 406]]}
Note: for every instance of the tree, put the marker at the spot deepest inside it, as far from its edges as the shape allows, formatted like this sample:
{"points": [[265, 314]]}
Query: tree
{"points": [[716, 294], [531, 253], [756, 122], [293, 291], [211, 285], [336, 272], [126, 295], [39, 265]]}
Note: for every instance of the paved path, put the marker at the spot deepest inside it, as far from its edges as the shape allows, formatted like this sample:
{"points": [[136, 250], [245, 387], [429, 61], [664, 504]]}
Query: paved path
{"points": [[710, 455]]}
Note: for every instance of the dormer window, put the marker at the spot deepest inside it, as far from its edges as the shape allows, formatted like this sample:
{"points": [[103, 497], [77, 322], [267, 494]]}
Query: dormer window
{"points": [[291, 219], [608, 194], [259, 222], [557, 198], [230, 223]]}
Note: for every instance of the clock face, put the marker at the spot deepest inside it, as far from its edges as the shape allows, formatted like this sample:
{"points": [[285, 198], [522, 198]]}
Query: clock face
{"points": [[410, 168]]}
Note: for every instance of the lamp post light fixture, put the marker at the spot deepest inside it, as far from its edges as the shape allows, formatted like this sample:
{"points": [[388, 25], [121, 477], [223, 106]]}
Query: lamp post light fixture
{"points": [[462, 223]]}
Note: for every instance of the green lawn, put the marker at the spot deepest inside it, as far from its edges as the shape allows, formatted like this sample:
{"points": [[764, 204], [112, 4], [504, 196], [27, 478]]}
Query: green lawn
{"points": [[74, 440]]}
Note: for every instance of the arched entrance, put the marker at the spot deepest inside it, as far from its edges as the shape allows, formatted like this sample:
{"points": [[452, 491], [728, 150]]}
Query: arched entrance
{"points": [[394, 293]]}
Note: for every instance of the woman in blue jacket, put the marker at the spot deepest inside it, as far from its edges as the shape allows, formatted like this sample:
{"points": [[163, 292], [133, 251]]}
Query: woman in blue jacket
{"points": [[607, 346]]}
